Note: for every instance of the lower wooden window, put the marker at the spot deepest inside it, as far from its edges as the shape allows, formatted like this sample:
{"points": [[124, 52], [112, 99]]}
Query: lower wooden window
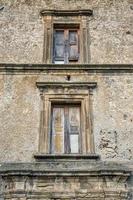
{"points": [[66, 120], [65, 129]]}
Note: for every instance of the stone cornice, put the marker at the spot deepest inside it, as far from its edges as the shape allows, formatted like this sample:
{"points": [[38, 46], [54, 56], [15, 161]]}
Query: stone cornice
{"points": [[85, 12], [65, 168], [44, 68], [68, 84]]}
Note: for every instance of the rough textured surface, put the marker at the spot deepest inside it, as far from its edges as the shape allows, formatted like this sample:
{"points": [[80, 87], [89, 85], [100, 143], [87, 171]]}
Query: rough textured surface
{"points": [[56, 179], [110, 35], [110, 29], [20, 112]]}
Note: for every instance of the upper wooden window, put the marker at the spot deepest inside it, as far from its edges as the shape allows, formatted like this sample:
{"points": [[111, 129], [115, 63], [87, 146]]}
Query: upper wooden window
{"points": [[65, 129], [66, 46], [66, 36]]}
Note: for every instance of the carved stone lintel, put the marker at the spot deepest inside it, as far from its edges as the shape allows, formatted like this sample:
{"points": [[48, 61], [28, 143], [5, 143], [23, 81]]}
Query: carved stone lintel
{"points": [[84, 12], [89, 85]]}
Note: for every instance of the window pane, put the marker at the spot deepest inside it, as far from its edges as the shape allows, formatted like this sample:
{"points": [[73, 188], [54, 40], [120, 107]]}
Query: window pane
{"points": [[73, 53], [65, 129], [59, 37], [74, 144], [73, 37], [58, 62], [74, 120], [66, 45], [73, 45], [74, 129], [59, 51], [58, 130], [59, 45]]}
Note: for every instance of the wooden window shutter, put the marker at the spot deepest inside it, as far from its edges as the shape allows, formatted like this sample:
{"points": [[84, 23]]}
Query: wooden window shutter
{"points": [[65, 129], [74, 129], [57, 143], [59, 45], [73, 45]]}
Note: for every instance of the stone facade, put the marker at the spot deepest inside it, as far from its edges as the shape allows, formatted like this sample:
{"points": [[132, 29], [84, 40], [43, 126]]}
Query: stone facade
{"points": [[85, 177], [110, 29], [66, 179], [103, 171]]}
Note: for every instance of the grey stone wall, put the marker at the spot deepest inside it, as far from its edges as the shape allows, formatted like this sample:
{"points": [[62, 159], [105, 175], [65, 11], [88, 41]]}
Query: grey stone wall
{"points": [[110, 29]]}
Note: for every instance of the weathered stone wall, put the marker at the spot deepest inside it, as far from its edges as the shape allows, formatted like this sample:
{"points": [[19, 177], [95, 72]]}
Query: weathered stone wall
{"points": [[65, 179], [20, 112], [110, 29], [22, 41]]}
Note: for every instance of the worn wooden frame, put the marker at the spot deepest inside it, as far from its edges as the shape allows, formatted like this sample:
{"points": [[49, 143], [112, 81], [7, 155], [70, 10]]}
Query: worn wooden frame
{"points": [[53, 93], [66, 133], [66, 31], [53, 18]]}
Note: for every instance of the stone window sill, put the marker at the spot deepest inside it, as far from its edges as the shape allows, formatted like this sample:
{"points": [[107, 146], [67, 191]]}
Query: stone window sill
{"points": [[41, 156]]}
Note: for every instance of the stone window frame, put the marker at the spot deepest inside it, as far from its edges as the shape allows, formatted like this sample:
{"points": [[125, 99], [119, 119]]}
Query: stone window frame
{"points": [[66, 17], [51, 93]]}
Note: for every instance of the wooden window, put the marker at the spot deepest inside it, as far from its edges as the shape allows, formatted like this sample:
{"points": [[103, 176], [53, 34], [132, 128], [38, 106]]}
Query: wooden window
{"points": [[65, 129], [66, 122], [66, 46], [70, 22]]}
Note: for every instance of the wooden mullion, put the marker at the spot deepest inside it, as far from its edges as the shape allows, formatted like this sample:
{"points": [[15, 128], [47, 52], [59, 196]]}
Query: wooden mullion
{"points": [[66, 36], [66, 131], [80, 132], [78, 34], [51, 131], [53, 59]]}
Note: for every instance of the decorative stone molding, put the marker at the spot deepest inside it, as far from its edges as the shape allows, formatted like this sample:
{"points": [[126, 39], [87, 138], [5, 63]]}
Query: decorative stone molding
{"points": [[54, 179], [66, 17], [44, 68], [66, 92], [86, 12], [84, 85]]}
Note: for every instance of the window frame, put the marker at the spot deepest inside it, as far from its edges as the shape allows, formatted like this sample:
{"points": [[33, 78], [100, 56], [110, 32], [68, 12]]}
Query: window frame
{"points": [[66, 93], [67, 145], [66, 29], [52, 18]]}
